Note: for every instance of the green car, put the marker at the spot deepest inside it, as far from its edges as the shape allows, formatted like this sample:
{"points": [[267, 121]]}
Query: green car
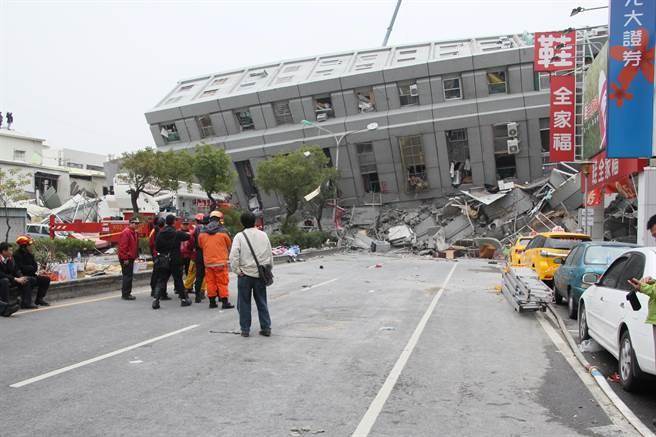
{"points": [[589, 257]]}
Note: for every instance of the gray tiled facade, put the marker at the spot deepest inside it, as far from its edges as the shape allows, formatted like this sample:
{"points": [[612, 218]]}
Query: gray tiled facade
{"points": [[425, 121]]}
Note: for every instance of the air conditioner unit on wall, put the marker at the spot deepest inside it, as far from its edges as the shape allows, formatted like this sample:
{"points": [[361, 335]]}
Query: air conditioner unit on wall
{"points": [[513, 146], [413, 90], [513, 131]]}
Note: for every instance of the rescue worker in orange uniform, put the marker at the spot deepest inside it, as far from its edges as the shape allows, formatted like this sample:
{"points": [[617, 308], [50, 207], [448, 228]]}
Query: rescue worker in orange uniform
{"points": [[215, 243]]}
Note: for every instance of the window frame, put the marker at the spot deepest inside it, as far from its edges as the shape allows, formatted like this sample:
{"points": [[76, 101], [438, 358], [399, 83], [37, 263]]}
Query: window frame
{"points": [[493, 86], [634, 258], [174, 134], [244, 127], [459, 88], [413, 167], [204, 130], [623, 260], [409, 99], [330, 111], [22, 155], [282, 119], [365, 91]]}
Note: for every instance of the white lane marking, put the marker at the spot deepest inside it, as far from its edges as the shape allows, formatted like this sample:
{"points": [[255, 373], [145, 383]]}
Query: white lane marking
{"points": [[80, 302], [98, 358], [369, 419], [615, 416], [321, 284]]}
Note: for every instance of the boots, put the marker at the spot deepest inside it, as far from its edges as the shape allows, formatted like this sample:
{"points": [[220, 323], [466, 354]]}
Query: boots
{"points": [[156, 304], [199, 296], [226, 304], [213, 302], [26, 303], [184, 299]]}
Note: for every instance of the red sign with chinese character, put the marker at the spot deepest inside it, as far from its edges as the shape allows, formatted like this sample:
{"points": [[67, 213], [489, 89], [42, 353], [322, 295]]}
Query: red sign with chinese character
{"points": [[595, 197], [608, 171], [554, 51], [561, 121]]}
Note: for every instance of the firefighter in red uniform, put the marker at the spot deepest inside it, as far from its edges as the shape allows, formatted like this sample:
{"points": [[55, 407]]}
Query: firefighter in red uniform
{"points": [[128, 251]]}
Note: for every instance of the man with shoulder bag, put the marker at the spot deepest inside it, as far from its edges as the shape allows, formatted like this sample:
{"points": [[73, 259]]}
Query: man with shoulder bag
{"points": [[252, 260]]}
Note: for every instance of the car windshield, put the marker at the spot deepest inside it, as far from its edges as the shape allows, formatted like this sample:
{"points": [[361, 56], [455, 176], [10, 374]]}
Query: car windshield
{"points": [[524, 241], [561, 243], [603, 255]]}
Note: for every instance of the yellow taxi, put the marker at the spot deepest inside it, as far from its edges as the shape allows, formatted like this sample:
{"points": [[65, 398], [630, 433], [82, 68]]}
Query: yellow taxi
{"points": [[545, 248], [515, 254]]}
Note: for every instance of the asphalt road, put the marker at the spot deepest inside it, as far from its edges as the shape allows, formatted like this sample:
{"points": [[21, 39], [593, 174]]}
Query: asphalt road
{"points": [[386, 351], [642, 403]]}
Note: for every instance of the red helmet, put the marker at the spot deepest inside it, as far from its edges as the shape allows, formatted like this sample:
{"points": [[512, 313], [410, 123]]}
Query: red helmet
{"points": [[24, 240]]}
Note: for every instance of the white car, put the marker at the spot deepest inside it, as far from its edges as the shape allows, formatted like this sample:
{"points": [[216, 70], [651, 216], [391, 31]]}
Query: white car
{"points": [[607, 317]]}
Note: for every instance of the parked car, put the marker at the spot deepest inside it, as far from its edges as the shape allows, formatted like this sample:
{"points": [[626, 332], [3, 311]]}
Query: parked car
{"points": [[515, 255], [543, 250], [606, 316], [588, 257], [37, 230]]}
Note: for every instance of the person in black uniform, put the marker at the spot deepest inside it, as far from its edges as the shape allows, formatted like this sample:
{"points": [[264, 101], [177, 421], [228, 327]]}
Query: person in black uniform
{"points": [[28, 266], [169, 261], [11, 276]]}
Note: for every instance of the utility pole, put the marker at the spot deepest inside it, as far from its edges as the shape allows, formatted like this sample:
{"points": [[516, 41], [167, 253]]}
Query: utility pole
{"points": [[391, 25]]}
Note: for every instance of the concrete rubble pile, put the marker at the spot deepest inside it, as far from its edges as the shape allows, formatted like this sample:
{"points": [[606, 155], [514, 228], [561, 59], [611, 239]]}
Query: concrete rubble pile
{"points": [[475, 222]]}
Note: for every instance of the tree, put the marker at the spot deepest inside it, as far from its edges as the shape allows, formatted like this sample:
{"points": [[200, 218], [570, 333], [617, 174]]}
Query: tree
{"points": [[150, 172], [12, 183], [293, 176], [328, 192], [213, 170]]}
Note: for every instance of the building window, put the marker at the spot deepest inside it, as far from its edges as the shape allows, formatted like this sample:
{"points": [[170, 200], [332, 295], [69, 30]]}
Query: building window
{"points": [[170, 132], [412, 158], [457, 145], [185, 88], [505, 162], [205, 126], [496, 82], [95, 167], [323, 108], [245, 119], [247, 181], [19, 155], [368, 168], [452, 88], [208, 93], [408, 93], [541, 81], [219, 81], [544, 139], [366, 101], [74, 165], [282, 113]]}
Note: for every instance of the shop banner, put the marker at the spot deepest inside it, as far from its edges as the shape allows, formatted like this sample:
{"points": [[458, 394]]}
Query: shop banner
{"points": [[561, 120], [631, 79], [608, 171], [554, 51], [595, 197]]}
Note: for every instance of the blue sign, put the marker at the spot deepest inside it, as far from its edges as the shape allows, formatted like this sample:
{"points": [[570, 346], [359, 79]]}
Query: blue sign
{"points": [[632, 35]]}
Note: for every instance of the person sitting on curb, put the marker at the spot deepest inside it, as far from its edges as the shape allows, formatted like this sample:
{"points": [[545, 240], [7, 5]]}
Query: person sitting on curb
{"points": [[215, 243], [11, 276], [26, 263]]}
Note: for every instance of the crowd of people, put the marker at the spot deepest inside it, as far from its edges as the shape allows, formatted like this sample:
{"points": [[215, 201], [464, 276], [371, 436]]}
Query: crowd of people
{"points": [[20, 271], [199, 258]]}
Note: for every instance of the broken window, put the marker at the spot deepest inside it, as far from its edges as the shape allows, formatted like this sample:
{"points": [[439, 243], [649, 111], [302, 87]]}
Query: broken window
{"points": [[457, 145], [245, 119], [452, 88], [43, 181], [326, 151], [505, 162], [282, 113], [366, 101], [496, 82], [169, 132], [412, 158], [368, 168], [541, 81], [247, 181], [323, 108], [408, 93], [205, 126]]}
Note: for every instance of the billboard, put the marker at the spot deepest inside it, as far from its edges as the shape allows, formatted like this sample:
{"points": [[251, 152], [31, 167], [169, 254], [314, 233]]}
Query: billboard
{"points": [[562, 118], [631, 79], [595, 97], [554, 51]]}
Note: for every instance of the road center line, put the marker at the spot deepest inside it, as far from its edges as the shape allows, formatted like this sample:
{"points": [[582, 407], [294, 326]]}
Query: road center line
{"points": [[98, 358], [320, 284], [370, 417]]}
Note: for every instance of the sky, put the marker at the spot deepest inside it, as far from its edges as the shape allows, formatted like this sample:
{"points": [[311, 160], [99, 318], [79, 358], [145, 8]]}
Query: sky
{"points": [[81, 74]]}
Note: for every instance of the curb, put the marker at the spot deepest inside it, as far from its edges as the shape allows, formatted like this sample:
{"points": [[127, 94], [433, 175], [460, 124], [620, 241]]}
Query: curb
{"points": [[112, 283], [599, 378]]}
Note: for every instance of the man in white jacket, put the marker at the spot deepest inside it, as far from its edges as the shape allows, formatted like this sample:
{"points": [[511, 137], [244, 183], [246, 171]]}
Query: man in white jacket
{"points": [[249, 283]]}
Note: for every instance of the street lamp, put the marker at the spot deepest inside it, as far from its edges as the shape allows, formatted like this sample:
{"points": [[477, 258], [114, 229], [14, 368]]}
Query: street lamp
{"points": [[338, 140], [580, 9]]}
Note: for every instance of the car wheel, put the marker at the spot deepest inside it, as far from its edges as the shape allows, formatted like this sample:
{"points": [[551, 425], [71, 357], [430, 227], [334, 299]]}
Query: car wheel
{"points": [[630, 373], [583, 324], [571, 306]]}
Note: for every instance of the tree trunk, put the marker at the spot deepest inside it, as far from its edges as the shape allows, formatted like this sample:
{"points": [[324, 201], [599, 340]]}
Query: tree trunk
{"points": [[134, 195], [8, 225], [288, 225], [319, 212], [213, 202]]}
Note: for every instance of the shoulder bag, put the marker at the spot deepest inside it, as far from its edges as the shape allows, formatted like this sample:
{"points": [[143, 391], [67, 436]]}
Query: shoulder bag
{"points": [[266, 275]]}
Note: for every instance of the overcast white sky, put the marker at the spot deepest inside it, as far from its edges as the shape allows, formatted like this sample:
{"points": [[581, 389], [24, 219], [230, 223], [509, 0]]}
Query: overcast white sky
{"points": [[82, 73]]}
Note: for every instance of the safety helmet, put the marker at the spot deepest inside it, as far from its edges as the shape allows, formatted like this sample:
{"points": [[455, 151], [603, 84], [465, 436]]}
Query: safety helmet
{"points": [[24, 240], [217, 214]]}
